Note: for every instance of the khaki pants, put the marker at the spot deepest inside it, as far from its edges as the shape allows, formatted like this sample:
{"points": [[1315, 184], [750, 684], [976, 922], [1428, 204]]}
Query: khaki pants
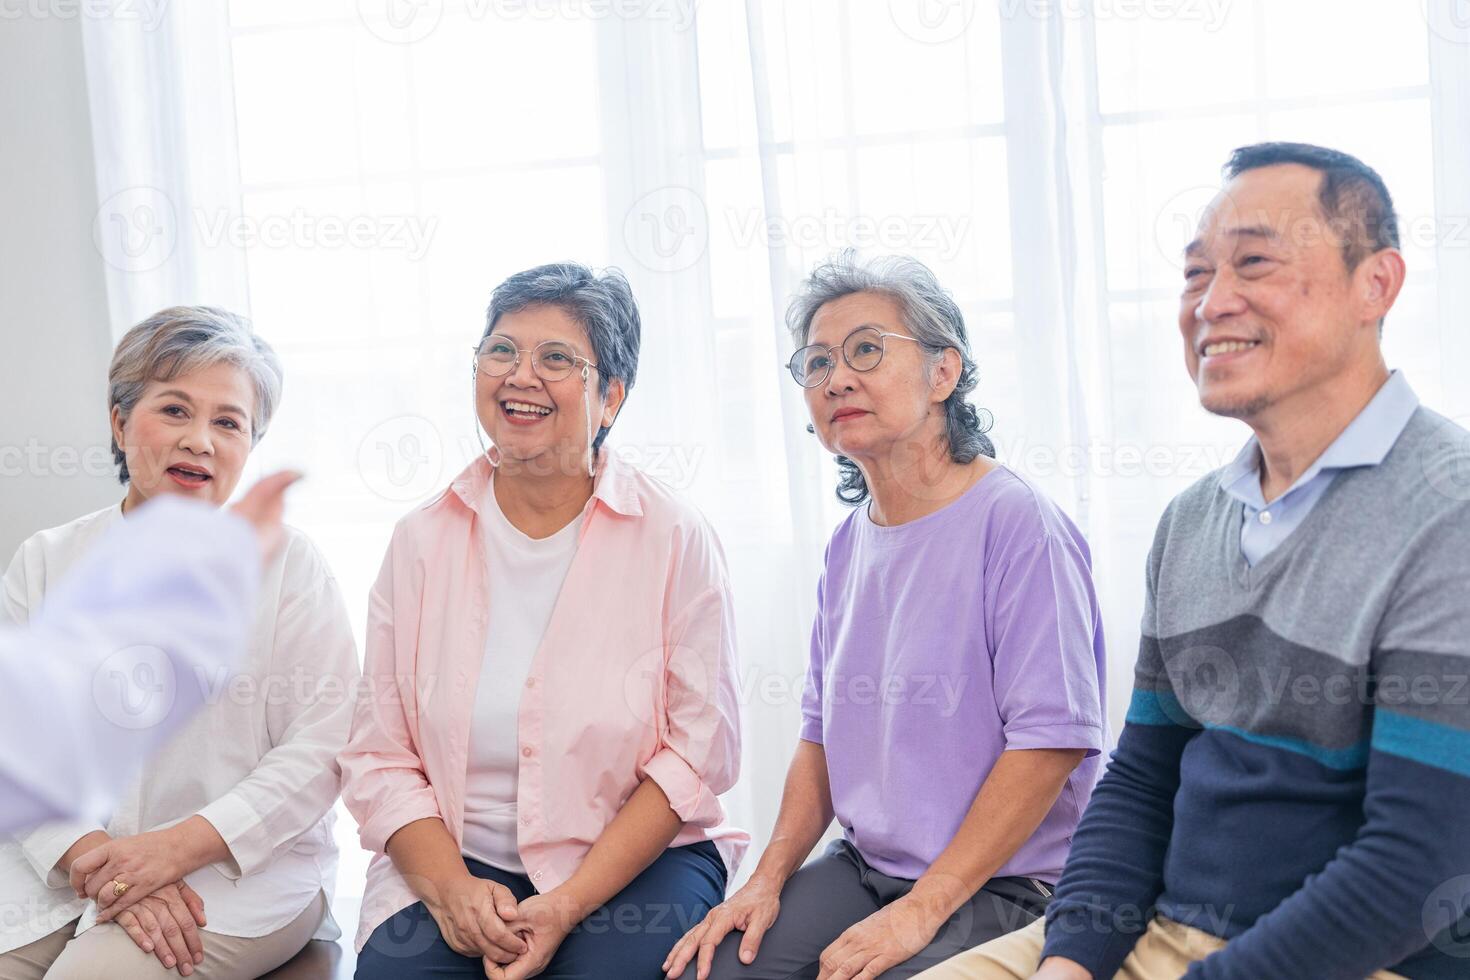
{"points": [[1164, 952], [108, 951]]}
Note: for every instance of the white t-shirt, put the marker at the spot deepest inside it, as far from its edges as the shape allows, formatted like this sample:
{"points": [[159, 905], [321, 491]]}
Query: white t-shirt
{"points": [[525, 576]]}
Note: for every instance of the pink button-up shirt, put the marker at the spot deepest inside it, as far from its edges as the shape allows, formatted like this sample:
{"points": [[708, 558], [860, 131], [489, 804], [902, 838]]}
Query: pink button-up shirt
{"points": [[634, 679]]}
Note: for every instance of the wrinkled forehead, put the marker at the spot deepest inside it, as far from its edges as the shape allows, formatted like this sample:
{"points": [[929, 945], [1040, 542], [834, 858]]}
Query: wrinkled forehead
{"points": [[222, 386], [836, 319], [538, 323], [1276, 206]]}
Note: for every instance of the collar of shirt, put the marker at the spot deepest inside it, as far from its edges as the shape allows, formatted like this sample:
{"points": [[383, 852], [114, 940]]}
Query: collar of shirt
{"points": [[613, 485], [610, 697], [1365, 442]]}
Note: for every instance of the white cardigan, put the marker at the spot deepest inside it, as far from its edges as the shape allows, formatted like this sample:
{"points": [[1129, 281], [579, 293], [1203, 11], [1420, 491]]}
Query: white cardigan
{"points": [[258, 761]]}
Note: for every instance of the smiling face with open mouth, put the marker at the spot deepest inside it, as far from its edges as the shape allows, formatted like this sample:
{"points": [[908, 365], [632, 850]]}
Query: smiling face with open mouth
{"points": [[1270, 310], [188, 435], [528, 417]]}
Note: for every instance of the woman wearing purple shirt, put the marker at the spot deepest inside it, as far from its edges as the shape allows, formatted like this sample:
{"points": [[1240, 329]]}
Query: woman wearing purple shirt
{"points": [[953, 717]]}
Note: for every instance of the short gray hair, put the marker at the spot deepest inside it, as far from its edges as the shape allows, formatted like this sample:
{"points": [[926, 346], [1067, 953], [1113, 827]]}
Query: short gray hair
{"points": [[602, 304], [184, 339], [934, 318]]}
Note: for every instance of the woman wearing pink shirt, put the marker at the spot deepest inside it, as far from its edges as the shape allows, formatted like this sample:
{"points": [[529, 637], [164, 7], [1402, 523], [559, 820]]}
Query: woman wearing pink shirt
{"points": [[551, 662]]}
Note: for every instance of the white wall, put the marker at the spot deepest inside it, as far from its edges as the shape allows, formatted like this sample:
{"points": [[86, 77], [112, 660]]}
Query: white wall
{"points": [[54, 341]]}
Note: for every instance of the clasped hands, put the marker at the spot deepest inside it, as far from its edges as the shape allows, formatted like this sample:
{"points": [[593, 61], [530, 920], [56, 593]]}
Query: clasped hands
{"points": [[138, 883], [515, 940]]}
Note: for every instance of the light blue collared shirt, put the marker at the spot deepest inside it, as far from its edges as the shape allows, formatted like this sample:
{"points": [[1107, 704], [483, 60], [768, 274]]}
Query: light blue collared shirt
{"points": [[1365, 442]]}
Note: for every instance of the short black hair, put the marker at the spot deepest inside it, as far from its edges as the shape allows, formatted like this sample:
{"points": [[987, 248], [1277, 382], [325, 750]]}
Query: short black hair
{"points": [[1354, 199]]}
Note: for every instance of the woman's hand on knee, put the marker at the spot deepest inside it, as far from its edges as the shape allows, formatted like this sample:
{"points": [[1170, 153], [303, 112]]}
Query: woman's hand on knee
{"points": [[751, 910], [165, 924]]}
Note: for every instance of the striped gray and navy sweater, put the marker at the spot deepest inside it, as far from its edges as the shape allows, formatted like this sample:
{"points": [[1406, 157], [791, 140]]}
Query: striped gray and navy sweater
{"points": [[1294, 774]]}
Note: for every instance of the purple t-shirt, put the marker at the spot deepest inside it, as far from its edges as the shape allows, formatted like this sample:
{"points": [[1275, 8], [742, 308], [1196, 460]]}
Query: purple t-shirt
{"points": [[939, 644]]}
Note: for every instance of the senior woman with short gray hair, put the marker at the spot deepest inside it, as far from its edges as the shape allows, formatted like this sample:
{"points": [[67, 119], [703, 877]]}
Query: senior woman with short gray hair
{"points": [[220, 860], [953, 715], [556, 633]]}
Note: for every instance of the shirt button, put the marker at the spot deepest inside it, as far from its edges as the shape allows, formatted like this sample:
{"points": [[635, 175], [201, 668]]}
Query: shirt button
{"points": [[530, 682], [526, 752], [1265, 517], [536, 876]]}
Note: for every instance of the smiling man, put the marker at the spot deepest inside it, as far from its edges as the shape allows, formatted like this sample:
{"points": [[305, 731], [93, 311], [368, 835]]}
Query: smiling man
{"points": [[1287, 796]]}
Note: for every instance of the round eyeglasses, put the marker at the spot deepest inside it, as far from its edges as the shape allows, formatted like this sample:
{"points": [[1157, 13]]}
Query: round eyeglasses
{"points": [[862, 350], [552, 360]]}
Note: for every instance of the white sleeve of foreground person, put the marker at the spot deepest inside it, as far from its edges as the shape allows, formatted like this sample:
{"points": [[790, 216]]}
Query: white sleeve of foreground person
{"points": [[110, 666]]}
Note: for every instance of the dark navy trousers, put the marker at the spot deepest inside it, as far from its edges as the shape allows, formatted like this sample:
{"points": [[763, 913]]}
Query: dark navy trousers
{"points": [[628, 938]]}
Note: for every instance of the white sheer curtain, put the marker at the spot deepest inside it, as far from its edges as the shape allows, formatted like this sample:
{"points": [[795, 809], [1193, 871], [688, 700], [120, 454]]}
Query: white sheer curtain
{"points": [[357, 176], [158, 84]]}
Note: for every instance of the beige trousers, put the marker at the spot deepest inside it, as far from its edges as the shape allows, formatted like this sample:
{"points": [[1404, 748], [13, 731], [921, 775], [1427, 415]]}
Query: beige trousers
{"points": [[1164, 952], [108, 951]]}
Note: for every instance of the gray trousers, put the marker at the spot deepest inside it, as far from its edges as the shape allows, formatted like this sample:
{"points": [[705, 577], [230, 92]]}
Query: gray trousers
{"points": [[839, 889]]}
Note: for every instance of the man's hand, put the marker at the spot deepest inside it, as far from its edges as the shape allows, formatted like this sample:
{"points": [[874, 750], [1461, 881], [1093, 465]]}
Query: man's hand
{"points": [[751, 910], [888, 937]]}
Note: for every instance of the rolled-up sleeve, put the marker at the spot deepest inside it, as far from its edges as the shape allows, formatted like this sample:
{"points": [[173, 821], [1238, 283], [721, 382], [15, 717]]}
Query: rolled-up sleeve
{"points": [[1044, 625], [308, 716], [698, 756], [384, 785]]}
